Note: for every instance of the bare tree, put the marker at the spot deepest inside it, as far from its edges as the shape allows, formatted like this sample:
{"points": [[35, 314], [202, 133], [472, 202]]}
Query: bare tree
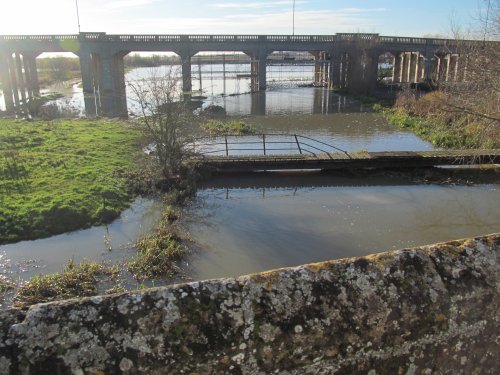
{"points": [[475, 103], [163, 115]]}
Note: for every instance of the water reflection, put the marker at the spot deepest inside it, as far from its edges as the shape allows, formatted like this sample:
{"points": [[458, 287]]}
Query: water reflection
{"points": [[259, 228], [28, 258]]}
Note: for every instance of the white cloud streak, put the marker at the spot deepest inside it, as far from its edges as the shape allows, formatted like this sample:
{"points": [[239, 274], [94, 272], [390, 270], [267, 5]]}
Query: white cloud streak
{"points": [[124, 4], [306, 22], [254, 5]]}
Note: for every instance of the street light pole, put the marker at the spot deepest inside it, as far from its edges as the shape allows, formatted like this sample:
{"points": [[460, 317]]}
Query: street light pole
{"points": [[487, 19], [77, 16], [293, 18]]}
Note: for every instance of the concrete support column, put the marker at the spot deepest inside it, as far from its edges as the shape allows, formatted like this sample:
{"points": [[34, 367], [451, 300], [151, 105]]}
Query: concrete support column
{"points": [[187, 84], [112, 92], [317, 67], [262, 71], [413, 67], [421, 68], [335, 70], [254, 71], [326, 69], [20, 77], [406, 67], [461, 68], [331, 72], [429, 63], [397, 67], [441, 65], [454, 61], [6, 83], [344, 70], [13, 80], [371, 71], [447, 72], [89, 68], [258, 104], [32, 84]]}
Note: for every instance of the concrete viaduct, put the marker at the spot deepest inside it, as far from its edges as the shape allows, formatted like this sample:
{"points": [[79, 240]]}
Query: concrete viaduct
{"points": [[347, 61]]}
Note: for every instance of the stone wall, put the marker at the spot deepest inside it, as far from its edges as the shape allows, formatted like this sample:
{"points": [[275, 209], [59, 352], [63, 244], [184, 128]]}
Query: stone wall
{"points": [[427, 310]]}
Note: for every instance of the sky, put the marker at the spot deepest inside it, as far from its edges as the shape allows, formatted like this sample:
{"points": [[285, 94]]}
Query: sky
{"points": [[418, 18]]}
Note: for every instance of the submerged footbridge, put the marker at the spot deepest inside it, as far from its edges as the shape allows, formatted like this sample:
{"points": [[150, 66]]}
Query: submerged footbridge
{"points": [[347, 61], [274, 152]]}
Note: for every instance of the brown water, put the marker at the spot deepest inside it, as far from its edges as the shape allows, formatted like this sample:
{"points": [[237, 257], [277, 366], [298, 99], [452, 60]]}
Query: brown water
{"points": [[258, 222], [271, 222]]}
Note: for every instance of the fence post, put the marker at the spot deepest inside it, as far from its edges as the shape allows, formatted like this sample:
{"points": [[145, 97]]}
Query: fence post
{"points": [[227, 149], [298, 144], [264, 142]]}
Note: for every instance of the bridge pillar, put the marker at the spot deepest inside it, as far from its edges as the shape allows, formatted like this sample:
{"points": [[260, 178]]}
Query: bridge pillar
{"points": [[344, 70], [317, 67], [429, 66], [13, 80], [397, 72], [413, 67], [103, 81], [421, 68], [454, 64], [262, 64], [254, 73], [439, 67], [258, 104], [112, 93], [335, 73], [461, 68], [90, 84], [20, 77], [6, 83], [363, 68], [29, 60], [187, 84], [406, 67]]}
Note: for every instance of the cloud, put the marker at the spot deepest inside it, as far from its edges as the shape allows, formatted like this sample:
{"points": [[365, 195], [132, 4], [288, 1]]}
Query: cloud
{"points": [[309, 22], [255, 5], [121, 4]]}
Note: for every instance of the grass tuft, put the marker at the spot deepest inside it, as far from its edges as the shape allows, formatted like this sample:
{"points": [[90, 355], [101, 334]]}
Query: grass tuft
{"points": [[218, 127], [160, 251], [74, 281]]}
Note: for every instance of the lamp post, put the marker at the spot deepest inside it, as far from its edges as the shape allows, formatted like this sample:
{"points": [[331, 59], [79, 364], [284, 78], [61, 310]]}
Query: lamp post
{"points": [[77, 16], [293, 18], [487, 19]]}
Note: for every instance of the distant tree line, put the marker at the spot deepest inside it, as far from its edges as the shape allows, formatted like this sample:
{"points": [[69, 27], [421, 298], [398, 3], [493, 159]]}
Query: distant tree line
{"points": [[137, 61]]}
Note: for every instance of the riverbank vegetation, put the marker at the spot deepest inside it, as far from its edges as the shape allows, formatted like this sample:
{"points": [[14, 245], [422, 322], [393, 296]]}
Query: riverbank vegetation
{"points": [[427, 117], [74, 281], [464, 114], [159, 252], [228, 127], [58, 176]]}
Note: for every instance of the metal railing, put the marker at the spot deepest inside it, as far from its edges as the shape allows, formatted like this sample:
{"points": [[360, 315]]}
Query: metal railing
{"points": [[264, 144]]}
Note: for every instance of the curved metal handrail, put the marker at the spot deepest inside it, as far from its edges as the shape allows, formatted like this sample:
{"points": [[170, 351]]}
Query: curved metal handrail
{"points": [[267, 145]]}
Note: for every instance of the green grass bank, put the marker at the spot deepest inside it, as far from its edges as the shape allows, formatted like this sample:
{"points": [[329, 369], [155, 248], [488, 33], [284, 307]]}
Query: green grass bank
{"points": [[58, 176]]}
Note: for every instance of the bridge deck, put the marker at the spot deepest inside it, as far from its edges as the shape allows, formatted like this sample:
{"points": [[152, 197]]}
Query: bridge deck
{"points": [[397, 159]]}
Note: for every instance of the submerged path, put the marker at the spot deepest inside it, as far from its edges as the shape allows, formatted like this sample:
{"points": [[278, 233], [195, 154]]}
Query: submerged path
{"points": [[326, 161]]}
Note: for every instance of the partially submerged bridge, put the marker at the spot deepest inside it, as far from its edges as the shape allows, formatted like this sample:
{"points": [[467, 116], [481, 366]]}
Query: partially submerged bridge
{"points": [[270, 152], [372, 160], [347, 61]]}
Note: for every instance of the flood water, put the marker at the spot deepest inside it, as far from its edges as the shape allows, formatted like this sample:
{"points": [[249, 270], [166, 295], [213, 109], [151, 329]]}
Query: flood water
{"points": [[243, 224], [252, 224]]}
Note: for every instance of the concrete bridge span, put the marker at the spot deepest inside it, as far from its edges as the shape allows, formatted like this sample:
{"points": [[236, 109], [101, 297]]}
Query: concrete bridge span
{"points": [[347, 61]]}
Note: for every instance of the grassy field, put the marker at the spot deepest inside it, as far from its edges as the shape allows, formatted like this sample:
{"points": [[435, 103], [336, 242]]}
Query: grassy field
{"points": [[63, 175]]}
